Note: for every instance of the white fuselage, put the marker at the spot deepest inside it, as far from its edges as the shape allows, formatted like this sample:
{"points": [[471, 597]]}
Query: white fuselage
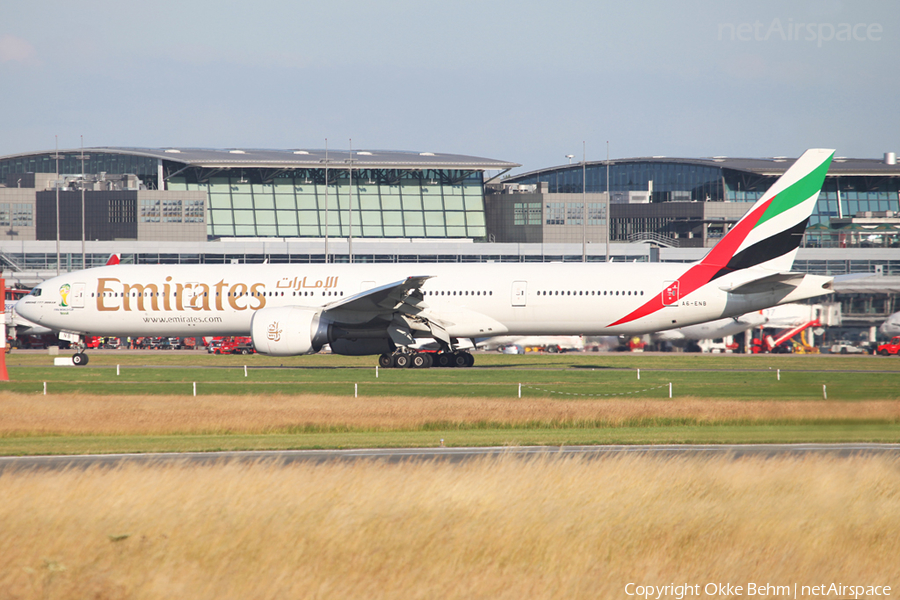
{"points": [[471, 300]]}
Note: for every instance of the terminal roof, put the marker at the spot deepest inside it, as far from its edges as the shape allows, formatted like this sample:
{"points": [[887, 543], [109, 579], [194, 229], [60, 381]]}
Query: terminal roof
{"points": [[305, 159]]}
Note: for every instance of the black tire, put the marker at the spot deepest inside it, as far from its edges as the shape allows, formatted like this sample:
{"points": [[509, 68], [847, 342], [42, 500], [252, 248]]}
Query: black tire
{"points": [[244, 351], [429, 360], [418, 361], [843, 351], [470, 360], [444, 359], [385, 361], [80, 359], [459, 360], [401, 361]]}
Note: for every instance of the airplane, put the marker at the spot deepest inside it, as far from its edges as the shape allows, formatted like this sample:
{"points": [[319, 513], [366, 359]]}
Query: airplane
{"points": [[380, 309], [782, 316], [16, 325], [891, 325], [687, 337]]}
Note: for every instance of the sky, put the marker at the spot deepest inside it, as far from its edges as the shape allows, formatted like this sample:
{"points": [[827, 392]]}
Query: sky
{"points": [[521, 81]]}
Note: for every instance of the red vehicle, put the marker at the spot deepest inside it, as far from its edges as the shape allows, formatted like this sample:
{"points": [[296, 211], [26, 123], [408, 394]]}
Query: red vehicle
{"points": [[235, 345], [892, 347]]}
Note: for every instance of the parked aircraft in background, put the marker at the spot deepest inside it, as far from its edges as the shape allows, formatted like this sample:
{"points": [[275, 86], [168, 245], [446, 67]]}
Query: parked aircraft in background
{"points": [[891, 326], [358, 309], [775, 317], [687, 337], [16, 325]]}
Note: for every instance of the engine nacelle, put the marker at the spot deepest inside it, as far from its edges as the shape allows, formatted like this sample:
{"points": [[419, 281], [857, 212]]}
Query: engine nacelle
{"points": [[288, 331]]}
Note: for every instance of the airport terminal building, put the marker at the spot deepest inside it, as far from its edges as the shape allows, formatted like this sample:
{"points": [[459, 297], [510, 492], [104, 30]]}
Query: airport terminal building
{"points": [[691, 203], [251, 193]]}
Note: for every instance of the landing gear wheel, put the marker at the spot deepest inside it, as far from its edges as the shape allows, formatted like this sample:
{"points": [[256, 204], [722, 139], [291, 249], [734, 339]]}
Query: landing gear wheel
{"points": [[419, 361], [470, 360], [385, 361], [401, 361], [445, 359], [429, 360], [459, 360], [80, 359]]}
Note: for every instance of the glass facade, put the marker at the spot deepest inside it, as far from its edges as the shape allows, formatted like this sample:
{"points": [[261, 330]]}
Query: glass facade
{"points": [[670, 181], [405, 204], [16, 215], [685, 182], [527, 213], [379, 203], [146, 168]]}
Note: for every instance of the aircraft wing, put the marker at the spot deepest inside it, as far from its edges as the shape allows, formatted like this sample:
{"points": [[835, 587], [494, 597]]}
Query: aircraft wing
{"points": [[384, 298], [399, 302], [403, 305]]}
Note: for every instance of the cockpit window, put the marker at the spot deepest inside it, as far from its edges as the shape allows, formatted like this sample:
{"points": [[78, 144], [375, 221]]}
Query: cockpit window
{"points": [[36, 292]]}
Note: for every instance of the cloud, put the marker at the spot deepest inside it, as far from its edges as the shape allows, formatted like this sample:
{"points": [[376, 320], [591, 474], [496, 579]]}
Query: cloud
{"points": [[16, 50]]}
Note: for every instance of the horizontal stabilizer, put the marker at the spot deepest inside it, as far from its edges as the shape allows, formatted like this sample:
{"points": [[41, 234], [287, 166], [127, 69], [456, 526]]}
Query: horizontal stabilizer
{"points": [[767, 283]]}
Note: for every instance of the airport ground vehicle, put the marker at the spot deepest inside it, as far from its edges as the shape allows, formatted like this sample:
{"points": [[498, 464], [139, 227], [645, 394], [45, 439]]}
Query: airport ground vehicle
{"points": [[234, 345], [844, 347], [892, 347]]}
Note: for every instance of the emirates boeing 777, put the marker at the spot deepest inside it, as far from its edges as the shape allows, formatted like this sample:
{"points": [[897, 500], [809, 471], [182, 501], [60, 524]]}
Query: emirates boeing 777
{"points": [[358, 309]]}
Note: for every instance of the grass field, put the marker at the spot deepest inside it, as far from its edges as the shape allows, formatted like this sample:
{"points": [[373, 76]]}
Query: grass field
{"points": [[571, 399], [493, 528], [499, 528]]}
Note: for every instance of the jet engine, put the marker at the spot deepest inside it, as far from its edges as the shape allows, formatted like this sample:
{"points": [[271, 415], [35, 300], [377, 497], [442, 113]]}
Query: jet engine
{"points": [[288, 331]]}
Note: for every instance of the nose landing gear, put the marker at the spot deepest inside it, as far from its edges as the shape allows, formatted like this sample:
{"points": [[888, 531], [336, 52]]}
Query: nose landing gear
{"points": [[77, 343]]}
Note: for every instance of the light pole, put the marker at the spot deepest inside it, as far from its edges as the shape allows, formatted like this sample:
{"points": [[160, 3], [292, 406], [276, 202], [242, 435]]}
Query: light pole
{"points": [[83, 253], [583, 202], [570, 157], [326, 201], [608, 214], [56, 185], [350, 206]]}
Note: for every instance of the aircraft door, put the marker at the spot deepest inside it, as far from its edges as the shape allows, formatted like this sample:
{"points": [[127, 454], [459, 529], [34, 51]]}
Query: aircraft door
{"points": [[670, 295], [192, 294], [519, 292], [76, 298]]}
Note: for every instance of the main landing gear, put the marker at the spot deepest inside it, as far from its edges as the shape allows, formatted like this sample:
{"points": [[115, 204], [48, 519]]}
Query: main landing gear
{"points": [[424, 360]]}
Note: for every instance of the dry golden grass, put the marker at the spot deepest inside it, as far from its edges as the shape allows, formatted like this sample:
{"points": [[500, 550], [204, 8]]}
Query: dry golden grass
{"points": [[501, 528], [25, 414]]}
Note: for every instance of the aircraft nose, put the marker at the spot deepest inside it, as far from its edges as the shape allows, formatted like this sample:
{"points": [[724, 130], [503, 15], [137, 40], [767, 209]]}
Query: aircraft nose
{"points": [[28, 309]]}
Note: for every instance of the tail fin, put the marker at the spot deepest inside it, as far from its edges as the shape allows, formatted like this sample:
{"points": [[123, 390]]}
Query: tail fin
{"points": [[769, 234], [113, 259], [765, 239]]}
